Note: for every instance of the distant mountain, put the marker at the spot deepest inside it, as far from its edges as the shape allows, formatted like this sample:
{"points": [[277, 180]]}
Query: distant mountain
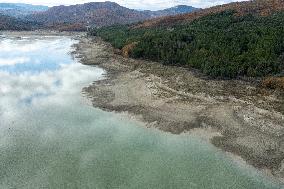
{"points": [[99, 14], [180, 9], [12, 23], [79, 17], [20, 9]]}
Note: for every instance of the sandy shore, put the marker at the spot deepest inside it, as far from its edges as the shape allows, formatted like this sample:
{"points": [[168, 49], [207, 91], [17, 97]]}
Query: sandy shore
{"points": [[237, 116]]}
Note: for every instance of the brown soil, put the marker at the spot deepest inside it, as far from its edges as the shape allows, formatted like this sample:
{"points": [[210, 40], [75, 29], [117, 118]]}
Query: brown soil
{"points": [[274, 83]]}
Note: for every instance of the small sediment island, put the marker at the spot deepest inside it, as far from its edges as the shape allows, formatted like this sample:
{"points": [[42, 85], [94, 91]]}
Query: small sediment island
{"points": [[238, 116]]}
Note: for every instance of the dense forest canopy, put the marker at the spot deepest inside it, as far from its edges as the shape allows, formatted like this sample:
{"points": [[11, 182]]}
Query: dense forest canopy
{"points": [[219, 44]]}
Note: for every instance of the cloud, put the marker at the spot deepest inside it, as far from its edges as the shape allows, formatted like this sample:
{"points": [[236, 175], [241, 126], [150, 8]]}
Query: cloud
{"points": [[23, 45], [13, 61], [49, 88], [135, 4], [33, 54]]}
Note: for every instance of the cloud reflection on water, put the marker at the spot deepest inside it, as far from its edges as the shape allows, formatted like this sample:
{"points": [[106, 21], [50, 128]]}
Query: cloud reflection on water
{"points": [[34, 54], [13, 61], [37, 75]]}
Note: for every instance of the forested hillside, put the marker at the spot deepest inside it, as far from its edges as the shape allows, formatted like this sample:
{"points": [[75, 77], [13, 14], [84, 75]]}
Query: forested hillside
{"points": [[11, 23], [180, 9], [255, 7], [220, 44]]}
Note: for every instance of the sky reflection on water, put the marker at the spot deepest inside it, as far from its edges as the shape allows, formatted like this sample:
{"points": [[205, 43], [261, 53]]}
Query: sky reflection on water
{"points": [[33, 55]]}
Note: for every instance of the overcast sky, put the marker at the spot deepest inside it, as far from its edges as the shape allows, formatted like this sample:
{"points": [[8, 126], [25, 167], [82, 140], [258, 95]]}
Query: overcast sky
{"points": [[135, 4]]}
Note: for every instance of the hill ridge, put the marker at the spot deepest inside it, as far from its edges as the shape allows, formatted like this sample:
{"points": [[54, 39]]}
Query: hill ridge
{"points": [[260, 7], [99, 14]]}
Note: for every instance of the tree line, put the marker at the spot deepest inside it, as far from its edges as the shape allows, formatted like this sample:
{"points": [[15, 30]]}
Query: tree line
{"points": [[220, 45]]}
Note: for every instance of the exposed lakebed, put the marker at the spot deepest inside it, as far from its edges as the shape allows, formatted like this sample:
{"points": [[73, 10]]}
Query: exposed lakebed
{"points": [[50, 137]]}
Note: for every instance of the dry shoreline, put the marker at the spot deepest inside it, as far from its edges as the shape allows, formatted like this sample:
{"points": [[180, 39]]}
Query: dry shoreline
{"points": [[250, 119]]}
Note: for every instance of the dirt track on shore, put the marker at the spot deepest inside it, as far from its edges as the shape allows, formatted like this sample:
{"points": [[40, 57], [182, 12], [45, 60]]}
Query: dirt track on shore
{"points": [[250, 119]]}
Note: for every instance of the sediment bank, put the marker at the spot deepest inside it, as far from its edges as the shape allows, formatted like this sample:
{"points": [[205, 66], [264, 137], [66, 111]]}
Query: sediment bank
{"points": [[248, 118]]}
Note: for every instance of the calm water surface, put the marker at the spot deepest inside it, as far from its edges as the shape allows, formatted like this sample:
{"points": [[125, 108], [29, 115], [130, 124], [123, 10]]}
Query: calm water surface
{"points": [[51, 138]]}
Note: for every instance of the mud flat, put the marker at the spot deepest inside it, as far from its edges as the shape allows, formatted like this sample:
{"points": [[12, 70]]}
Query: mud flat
{"points": [[237, 116]]}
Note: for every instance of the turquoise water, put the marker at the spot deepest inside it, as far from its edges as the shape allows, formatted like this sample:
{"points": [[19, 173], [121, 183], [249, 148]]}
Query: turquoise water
{"points": [[51, 137]]}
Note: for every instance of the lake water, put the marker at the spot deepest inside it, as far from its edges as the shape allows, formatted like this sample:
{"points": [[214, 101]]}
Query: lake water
{"points": [[51, 137]]}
